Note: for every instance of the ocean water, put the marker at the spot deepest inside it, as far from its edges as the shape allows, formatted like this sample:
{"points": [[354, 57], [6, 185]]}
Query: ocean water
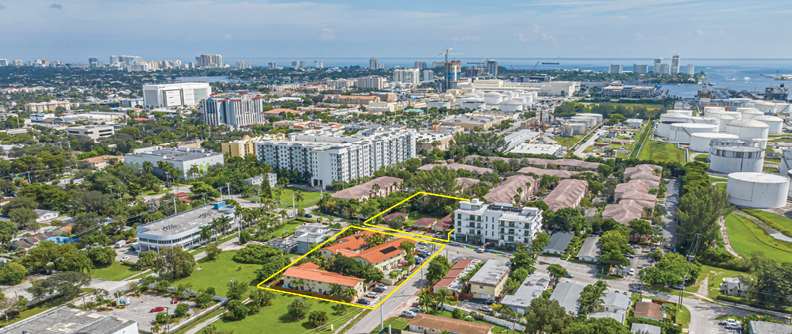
{"points": [[720, 70]]}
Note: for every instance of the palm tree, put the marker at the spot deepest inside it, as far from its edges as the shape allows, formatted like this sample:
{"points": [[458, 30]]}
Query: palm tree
{"points": [[194, 170], [148, 166], [206, 232], [443, 295], [217, 225], [350, 293], [296, 283], [336, 290], [375, 188], [299, 196]]}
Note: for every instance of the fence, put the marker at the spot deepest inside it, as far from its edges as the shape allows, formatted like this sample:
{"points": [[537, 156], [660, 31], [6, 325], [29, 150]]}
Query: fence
{"points": [[492, 320], [197, 317]]}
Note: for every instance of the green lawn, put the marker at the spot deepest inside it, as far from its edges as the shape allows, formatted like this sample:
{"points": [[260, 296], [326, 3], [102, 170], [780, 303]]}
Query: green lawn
{"points": [[683, 318], [701, 157], [274, 319], [310, 198], [661, 152], [714, 179], [38, 308], [289, 227], [395, 323], [745, 236], [782, 221], [716, 276], [641, 138], [721, 186], [218, 273], [568, 141], [496, 329], [115, 272]]}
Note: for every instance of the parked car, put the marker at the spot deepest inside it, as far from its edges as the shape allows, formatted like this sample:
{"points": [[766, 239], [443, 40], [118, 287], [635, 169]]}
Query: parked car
{"points": [[371, 294], [157, 309], [125, 258], [629, 256], [308, 215], [631, 272], [381, 286], [485, 308], [409, 229], [480, 250], [418, 259], [678, 287], [408, 314], [363, 301], [174, 300], [378, 289], [569, 275]]}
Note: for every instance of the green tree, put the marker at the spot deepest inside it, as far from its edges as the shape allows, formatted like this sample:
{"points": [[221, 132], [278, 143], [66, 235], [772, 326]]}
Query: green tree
{"points": [[67, 285], [213, 252], [236, 290], [173, 263], [146, 259], [438, 268], [299, 308], [539, 242], [556, 272], [521, 259], [318, 318], [641, 227], [237, 310], [698, 212], [408, 247], [182, 309], [13, 273], [546, 316]]}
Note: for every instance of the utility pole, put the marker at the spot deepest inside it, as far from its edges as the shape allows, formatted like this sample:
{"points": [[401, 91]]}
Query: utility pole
{"points": [[175, 208], [690, 257]]}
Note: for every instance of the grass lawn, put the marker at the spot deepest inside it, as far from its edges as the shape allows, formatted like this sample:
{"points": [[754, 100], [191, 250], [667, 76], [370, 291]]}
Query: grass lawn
{"points": [[470, 247], [116, 271], [641, 139], [714, 179], [38, 308], [496, 253], [701, 157], [289, 227], [610, 278], [745, 237], [567, 141], [310, 198], [782, 221], [721, 186], [274, 319], [716, 276], [661, 152], [218, 273], [204, 318], [683, 318], [395, 323]]}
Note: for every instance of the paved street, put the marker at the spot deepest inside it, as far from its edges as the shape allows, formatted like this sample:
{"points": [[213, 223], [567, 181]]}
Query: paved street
{"points": [[589, 142]]}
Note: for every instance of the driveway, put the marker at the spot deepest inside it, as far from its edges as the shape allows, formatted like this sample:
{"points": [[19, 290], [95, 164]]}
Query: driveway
{"points": [[139, 310]]}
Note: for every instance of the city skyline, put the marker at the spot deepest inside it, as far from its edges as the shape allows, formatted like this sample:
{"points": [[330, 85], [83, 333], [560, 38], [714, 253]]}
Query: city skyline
{"points": [[76, 31]]}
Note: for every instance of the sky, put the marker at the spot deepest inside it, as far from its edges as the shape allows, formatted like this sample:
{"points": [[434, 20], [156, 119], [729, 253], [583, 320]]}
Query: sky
{"points": [[74, 30]]}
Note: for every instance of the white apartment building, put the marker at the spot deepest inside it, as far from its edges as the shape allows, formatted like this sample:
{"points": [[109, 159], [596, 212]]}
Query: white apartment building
{"points": [[553, 88], [91, 131], [374, 63], [183, 159], [407, 75], [615, 69], [330, 156], [3, 62], [371, 82], [235, 110], [47, 106], [675, 64], [243, 65], [657, 63], [428, 75], [496, 223], [640, 69], [319, 63], [691, 70], [175, 95], [665, 68], [271, 65]]}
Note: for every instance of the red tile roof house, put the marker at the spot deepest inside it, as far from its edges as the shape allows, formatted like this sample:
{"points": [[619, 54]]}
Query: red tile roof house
{"points": [[393, 216], [425, 223], [444, 224]]}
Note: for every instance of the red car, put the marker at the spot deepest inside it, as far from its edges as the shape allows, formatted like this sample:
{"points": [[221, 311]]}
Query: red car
{"points": [[175, 301], [157, 309]]}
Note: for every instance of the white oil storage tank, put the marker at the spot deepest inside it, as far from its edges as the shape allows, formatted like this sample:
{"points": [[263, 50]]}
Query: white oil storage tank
{"points": [[774, 123], [736, 115], [765, 107], [664, 126], [510, 106], [700, 142], [786, 161], [473, 103], [681, 132], [589, 121], [748, 129], [438, 104], [758, 190], [493, 98], [688, 113], [723, 120], [597, 116], [735, 155], [750, 114], [705, 120], [713, 108]]}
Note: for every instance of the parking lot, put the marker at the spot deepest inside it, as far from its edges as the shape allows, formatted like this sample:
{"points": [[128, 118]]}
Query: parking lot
{"points": [[139, 309]]}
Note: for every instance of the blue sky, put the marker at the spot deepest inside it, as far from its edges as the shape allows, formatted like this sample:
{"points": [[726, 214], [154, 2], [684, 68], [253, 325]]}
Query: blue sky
{"points": [[73, 30]]}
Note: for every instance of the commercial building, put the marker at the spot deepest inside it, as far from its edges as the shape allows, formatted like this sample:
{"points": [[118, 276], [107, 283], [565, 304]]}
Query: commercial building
{"points": [[472, 120], [72, 320], [675, 64], [371, 82], [313, 279], [183, 159], [243, 65], [234, 110], [175, 95], [245, 146], [631, 92], [183, 229], [489, 281], [553, 88], [426, 323], [356, 99], [329, 156], [496, 223], [615, 69], [531, 288], [91, 131], [47, 106], [407, 75], [640, 69], [258, 180], [567, 294], [430, 140], [379, 187]]}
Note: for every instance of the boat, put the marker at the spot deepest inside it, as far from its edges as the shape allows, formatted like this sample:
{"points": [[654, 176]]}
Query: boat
{"points": [[550, 63], [732, 79], [747, 82], [747, 78]]}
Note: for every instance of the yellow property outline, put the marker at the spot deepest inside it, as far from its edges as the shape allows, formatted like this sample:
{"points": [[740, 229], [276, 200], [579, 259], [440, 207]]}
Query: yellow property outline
{"points": [[448, 235], [442, 246]]}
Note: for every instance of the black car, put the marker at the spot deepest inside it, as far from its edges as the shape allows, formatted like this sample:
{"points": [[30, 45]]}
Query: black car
{"points": [[308, 215], [363, 301], [378, 290]]}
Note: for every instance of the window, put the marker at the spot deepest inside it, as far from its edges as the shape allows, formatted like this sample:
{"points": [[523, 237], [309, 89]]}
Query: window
{"points": [[481, 287]]}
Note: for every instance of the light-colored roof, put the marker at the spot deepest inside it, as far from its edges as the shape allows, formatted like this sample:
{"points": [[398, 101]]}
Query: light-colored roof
{"points": [[504, 192], [568, 296], [590, 247], [566, 194], [277, 111], [644, 328], [530, 289], [558, 241], [616, 300], [748, 123], [366, 189], [619, 315], [766, 327], [491, 273], [542, 162], [452, 325], [562, 174]]}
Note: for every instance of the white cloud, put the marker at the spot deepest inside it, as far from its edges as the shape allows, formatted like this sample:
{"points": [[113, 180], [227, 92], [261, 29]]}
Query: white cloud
{"points": [[227, 36], [639, 37], [327, 34]]}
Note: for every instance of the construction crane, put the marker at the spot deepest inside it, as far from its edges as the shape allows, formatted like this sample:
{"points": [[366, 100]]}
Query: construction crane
{"points": [[447, 66]]}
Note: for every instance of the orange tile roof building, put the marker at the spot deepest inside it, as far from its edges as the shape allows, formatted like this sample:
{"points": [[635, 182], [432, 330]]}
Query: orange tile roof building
{"points": [[385, 257], [308, 277]]}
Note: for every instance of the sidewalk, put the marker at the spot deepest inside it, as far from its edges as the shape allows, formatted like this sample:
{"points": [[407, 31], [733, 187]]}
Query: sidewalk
{"points": [[725, 233]]}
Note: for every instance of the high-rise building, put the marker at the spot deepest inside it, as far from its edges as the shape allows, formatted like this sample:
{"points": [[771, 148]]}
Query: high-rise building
{"points": [[328, 155], [665, 68], [371, 82], [175, 95], [492, 67], [94, 62], [675, 64], [18, 62], [407, 75], [615, 69], [113, 60], [421, 65], [204, 60], [3, 62], [302, 63], [295, 64], [691, 69], [271, 65], [657, 63], [496, 223], [640, 69], [243, 65], [235, 110], [374, 63], [217, 60], [319, 63], [428, 75]]}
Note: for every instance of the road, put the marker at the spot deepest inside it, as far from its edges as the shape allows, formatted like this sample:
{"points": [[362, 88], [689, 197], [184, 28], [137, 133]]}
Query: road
{"points": [[589, 142]]}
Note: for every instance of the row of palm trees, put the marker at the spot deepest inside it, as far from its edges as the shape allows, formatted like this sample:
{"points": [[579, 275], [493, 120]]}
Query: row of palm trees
{"points": [[217, 225], [335, 289]]}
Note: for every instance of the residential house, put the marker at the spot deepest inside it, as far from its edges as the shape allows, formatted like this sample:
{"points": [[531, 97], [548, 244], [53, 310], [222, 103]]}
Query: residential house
{"points": [[562, 174], [649, 310], [766, 327], [558, 242], [626, 210], [566, 164], [432, 324], [734, 286], [444, 224], [287, 244], [645, 329], [643, 172], [308, 234], [567, 194], [531, 288], [489, 281], [515, 185], [379, 187], [452, 280], [568, 296], [102, 161], [614, 306], [424, 223], [456, 166], [315, 280], [590, 250]]}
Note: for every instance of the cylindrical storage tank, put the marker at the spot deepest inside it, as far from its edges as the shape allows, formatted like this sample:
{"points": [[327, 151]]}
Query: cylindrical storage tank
{"points": [[705, 120], [493, 98], [786, 161], [597, 116], [700, 142], [589, 121], [688, 113], [736, 115], [744, 109], [758, 190], [776, 124], [664, 127], [751, 114], [578, 128], [510, 106], [529, 99], [784, 108], [438, 104], [735, 155], [522, 100], [473, 103], [714, 109], [761, 142], [681, 132], [748, 129], [723, 120], [765, 107]]}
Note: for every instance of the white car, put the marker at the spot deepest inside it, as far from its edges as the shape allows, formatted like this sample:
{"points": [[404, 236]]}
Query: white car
{"points": [[371, 294], [408, 314], [125, 258], [631, 272]]}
